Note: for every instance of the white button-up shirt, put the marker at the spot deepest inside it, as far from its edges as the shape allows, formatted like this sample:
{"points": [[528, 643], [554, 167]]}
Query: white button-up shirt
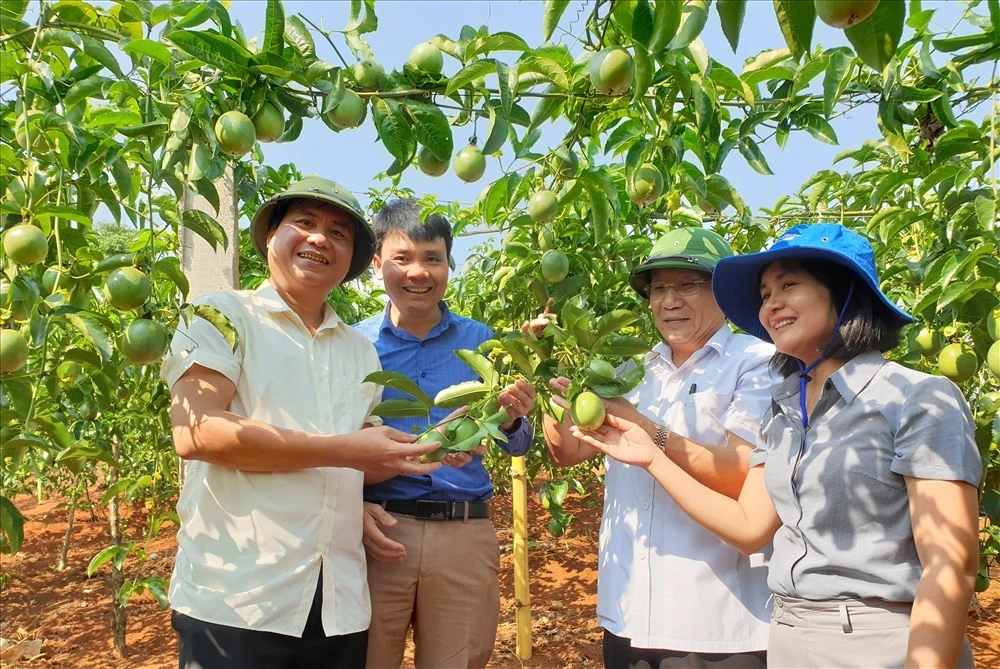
{"points": [[664, 581], [251, 545]]}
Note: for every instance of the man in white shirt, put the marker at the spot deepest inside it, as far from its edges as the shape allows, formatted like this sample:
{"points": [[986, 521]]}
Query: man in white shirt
{"points": [[670, 594], [270, 569]]}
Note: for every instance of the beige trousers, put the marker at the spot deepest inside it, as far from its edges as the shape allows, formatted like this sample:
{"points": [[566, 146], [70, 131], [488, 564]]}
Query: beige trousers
{"points": [[861, 634], [446, 588]]}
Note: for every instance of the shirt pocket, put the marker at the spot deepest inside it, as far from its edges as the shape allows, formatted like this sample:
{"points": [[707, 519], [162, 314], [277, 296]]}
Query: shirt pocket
{"points": [[702, 416]]}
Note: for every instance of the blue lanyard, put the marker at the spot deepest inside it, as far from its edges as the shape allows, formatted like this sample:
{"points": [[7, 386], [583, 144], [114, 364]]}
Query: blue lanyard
{"points": [[804, 370]]}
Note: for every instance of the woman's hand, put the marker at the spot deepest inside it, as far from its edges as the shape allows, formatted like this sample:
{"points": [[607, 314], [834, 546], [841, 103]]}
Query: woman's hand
{"points": [[621, 439]]}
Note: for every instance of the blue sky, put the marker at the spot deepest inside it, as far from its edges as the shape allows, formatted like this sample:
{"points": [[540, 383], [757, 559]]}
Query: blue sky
{"points": [[354, 157]]}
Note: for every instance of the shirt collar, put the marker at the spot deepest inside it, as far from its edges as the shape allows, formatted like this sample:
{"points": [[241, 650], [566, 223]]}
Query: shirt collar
{"points": [[855, 376], [849, 380], [717, 343], [272, 301], [447, 319]]}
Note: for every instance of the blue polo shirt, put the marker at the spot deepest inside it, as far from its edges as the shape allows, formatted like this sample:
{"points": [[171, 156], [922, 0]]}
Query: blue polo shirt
{"points": [[432, 364]]}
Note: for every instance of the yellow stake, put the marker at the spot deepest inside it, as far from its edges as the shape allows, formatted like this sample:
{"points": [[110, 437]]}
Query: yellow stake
{"points": [[522, 597]]}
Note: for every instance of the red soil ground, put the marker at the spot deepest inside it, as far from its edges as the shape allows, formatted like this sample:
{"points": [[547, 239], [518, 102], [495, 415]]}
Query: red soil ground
{"points": [[69, 612]]}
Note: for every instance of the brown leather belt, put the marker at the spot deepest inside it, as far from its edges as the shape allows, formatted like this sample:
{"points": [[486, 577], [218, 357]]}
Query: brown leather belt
{"points": [[426, 509]]}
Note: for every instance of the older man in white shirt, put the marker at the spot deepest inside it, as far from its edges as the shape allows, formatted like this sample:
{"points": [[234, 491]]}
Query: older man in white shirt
{"points": [[270, 569], [670, 594]]}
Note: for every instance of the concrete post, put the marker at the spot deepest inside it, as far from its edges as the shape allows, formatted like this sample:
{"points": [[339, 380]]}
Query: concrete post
{"points": [[209, 269]]}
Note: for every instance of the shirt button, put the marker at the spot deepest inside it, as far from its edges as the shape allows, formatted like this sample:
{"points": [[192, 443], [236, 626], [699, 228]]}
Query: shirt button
{"points": [[642, 556], [423, 375], [645, 506]]}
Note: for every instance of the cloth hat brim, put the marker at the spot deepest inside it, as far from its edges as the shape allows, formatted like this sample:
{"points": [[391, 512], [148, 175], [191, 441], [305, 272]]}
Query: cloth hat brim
{"points": [[639, 278], [736, 284], [364, 237]]}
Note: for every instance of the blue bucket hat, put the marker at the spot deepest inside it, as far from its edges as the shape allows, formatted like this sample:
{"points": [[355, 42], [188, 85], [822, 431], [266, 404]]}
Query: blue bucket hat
{"points": [[736, 280]]}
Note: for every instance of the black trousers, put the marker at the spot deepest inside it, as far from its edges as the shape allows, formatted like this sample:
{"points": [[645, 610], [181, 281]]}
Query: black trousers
{"points": [[619, 654], [209, 646]]}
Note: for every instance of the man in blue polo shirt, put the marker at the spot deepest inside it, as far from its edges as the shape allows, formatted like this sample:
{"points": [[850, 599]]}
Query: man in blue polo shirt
{"points": [[433, 557]]}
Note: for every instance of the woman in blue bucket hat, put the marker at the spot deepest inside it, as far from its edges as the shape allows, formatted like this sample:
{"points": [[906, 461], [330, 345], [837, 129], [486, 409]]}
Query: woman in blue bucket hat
{"points": [[865, 473]]}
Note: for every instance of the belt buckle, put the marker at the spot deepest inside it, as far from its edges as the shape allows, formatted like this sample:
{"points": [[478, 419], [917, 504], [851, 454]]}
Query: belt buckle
{"points": [[429, 510]]}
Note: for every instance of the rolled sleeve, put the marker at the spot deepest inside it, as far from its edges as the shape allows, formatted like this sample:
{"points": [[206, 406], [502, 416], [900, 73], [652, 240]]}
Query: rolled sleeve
{"points": [[519, 440], [750, 400], [935, 434], [200, 343]]}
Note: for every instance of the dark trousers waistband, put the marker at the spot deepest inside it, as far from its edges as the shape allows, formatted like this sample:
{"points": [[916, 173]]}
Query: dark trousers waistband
{"points": [[426, 509]]}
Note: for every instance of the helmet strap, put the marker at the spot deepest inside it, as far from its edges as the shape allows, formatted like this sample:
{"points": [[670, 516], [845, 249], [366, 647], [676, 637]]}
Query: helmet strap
{"points": [[804, 370]]}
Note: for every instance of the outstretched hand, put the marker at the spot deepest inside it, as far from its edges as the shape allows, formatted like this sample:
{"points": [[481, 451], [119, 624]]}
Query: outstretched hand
{"points": [[387, 450], [620, 439], [518, 399]]}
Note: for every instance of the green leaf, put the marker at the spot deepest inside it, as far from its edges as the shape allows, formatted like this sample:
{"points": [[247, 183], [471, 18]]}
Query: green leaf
{"points": [[205, 227], [298, 36], [114, 554], [400, 407], [501, 41], [195, 17], [699, 54], [838, 75], [479, 364], [96, 50], [469, 73], [622, 346], [613, 321], [600, 209], [817, 126], [62, 211], [220, 52], [548, 68], [731, 13], [219, 321], [84, 451], [643, 74], [461, 394], [642, 23], [114, 490], [359, 25], [807, 73], [796, 19], [93, 331], [402, 383], [553, 12], [431, 128], [496, 132], [765, 60], [728, 79], [951, 44], [986, 212], [114, 117], [875, 39], [171, 267], [156, 588], [693, 19], [11, 527], [754, 156], [144, 129], [666, 20], [393, 129], [504, 86]]}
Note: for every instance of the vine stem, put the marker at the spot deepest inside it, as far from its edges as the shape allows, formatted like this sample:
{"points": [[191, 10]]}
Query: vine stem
{"points": [[326, 36]]}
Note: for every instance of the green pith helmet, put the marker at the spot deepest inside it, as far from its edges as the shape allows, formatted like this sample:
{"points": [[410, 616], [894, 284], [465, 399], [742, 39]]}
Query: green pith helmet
{"points": [[317, 188], [683, 248]]}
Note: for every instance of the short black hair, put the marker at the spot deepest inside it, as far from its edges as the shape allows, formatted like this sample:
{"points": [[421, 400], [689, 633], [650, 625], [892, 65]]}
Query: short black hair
{"points": [[402, 216], [868, 324]]}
